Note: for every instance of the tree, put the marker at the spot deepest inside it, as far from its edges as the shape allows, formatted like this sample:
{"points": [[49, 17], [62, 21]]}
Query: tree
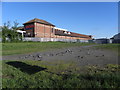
{"points": [[9, 33], [15, 26]]}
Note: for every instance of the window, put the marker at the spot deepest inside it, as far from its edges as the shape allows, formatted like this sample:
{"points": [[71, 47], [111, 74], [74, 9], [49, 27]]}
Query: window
{"points": [[52, 30]]}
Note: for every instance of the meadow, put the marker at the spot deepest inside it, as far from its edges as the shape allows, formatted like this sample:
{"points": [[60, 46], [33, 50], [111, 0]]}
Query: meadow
{"points": [[114, 47], [55, 74], [58, 74], [30, 47], [110, 47]]}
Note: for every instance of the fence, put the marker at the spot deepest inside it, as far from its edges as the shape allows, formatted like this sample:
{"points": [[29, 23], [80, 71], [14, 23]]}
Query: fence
{"points": [[0, 39], [52, 39]]}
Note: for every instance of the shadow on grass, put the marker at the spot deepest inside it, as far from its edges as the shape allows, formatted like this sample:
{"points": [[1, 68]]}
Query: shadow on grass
{"points": [[25, 67]]}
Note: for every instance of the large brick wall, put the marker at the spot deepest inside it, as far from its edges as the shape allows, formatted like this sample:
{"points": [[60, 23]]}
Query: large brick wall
{"points": [[47, 31], [42, 30]]}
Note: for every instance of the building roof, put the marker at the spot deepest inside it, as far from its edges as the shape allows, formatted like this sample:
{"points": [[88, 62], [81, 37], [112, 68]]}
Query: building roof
{"points": [[101, 39], [80, 35], [20, 31], [20, 28], [117, 36], [60, 29], [72, 34], [39, 21]]}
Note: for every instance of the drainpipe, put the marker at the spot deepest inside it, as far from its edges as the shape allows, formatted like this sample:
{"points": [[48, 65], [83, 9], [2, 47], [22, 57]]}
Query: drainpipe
{"points": [[34, 29], [50, 32], [44, 31]]}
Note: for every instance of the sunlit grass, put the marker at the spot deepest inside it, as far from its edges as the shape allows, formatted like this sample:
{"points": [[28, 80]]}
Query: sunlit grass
{"points": [[108, 46], [111, 47], [60, 74], [29, 47]]}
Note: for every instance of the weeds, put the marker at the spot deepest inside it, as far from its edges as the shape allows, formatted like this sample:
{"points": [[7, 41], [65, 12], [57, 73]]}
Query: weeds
{"points": [[60, 74]]}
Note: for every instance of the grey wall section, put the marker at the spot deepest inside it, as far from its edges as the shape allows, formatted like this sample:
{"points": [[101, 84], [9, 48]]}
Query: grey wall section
{"points": [[105, 41], [0, 39], [98, 41], [114, 41], [51, 39], [101, 41]]}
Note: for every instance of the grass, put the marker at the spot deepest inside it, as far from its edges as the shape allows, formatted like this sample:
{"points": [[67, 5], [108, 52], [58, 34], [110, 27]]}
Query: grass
{"points": [[111, 47], [29, 47], [58, 74]]}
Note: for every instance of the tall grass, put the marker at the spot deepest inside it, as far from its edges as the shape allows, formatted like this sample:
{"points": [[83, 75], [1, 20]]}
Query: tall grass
{"points": [[59, 74]]}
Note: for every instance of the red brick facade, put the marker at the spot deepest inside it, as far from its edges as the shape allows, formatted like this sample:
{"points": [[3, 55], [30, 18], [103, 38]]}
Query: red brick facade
{"points": [[44, 29]]}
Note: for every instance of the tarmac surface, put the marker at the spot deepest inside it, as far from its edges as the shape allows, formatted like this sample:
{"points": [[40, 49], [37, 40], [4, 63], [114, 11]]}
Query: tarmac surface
{"points": [[83, 55]]}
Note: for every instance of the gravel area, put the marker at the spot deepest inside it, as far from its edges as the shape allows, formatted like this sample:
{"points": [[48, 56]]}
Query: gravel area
{"points": [[83, 55]]}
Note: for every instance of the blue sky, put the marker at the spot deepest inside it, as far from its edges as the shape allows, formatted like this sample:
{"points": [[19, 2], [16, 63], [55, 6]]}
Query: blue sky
{"points": [[99, 19]]}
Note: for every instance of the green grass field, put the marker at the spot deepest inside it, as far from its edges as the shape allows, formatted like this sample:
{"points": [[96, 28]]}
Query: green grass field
{"points": [[29, 47], [111, 47], [114, 47], [58, 74]]}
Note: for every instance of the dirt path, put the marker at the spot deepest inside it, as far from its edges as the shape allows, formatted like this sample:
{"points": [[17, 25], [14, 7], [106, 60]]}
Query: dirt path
{"points": [[84, 55]]}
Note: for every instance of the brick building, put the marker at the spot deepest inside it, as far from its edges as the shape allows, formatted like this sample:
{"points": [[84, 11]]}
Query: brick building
{"points": [[38, 28]]}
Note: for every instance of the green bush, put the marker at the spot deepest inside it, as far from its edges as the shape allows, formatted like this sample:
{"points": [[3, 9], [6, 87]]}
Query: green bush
{"points": [[9, 35]]}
